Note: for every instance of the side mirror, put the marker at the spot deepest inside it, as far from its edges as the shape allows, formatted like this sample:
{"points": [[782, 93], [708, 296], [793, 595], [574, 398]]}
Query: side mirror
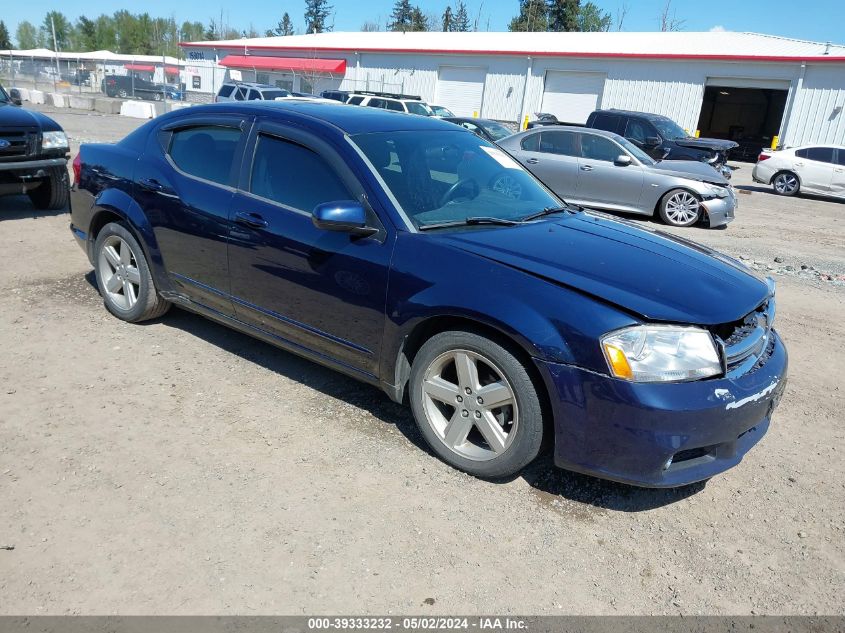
{"points": [[623, 160], [652, 141], [15, 96], [346, 216]]}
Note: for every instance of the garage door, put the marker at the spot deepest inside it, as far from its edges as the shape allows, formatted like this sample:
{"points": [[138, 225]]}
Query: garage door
{"points": [[460, 89], [571, 97]]}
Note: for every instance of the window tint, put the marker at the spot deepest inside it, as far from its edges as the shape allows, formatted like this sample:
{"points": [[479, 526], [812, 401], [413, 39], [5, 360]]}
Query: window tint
{"points": [[294, 176], [355, 100], [840, 153], [599, 148], [394, 105], [638, 131], [377, 103], [205, 152], [415, 107], [225, 91], [609, 122], [820, 154], [254, 95], [558, 142], [240, 94], [531, 143]]}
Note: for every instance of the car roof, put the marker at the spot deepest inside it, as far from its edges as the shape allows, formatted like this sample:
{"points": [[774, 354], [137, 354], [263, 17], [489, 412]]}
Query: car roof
{"points": [[469, 119], [249, 84], [571, 128], [344, 118], [363, 94], [646, 115]]}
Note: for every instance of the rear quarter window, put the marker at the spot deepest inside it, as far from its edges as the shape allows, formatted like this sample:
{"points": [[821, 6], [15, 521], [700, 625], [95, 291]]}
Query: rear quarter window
{"points": [[531, 143], [226, 91]]}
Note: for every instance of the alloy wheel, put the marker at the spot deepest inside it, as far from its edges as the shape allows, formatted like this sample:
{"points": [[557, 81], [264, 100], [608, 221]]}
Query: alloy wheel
{"points": [[682, 208], [786, 183], [470, 405], [119, 273]]}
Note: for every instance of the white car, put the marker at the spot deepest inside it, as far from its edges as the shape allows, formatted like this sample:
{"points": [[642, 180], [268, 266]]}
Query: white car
{"points": [[817, 169], [409, 104]]}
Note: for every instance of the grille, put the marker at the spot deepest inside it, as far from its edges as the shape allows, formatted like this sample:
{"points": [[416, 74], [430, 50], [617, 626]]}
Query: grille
{"points": [[18, 144], [747, 344]]}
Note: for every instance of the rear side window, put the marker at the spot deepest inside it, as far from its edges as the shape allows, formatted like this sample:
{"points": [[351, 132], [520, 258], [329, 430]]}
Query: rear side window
{"points": [[355, 100], [394, 105], [599, 148], [820, 154], [226, 91], [254, 95], [558, 142], [377, 103], [206, 152], [531, 143], [293, 175], [240, 94], [608, 122], [840, 156]]}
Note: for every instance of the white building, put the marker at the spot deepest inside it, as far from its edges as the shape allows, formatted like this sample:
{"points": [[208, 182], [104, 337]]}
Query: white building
{"points": [[730, 85]]}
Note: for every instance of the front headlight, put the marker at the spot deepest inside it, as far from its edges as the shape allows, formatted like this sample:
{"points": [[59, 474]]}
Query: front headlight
{"points": [[661, 353], [54, 140], [717, 191]]}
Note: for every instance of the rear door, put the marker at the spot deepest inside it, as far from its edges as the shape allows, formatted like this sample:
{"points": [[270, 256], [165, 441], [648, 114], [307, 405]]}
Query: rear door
{"points": [[814, 166], [837, 184], [553, 158], [601, 181], [185, 182], [318, 290]]}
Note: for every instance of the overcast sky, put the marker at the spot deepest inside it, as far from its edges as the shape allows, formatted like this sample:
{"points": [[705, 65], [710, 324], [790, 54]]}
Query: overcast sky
{"points": [[820, 20]]}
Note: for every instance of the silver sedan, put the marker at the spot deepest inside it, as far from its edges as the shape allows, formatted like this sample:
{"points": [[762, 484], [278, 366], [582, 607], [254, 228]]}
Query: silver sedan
{"points": [[602, 170]]}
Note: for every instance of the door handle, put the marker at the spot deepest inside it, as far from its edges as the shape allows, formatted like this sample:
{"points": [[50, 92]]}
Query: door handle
{"points": [[252, 220], [151, 184], [532, 161], [586, 168]]}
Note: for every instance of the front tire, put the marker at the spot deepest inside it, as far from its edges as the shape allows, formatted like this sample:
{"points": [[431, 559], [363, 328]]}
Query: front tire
{"points": [[476, 405], [680, 207], [123, 276], [53, 193], [786, 184]]}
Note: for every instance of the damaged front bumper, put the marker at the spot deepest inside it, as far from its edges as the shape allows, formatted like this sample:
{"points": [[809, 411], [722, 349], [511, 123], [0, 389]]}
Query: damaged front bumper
{"points": [[661, 435]]}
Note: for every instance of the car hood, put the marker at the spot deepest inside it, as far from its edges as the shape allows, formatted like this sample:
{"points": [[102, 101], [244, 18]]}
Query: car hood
{"points": [[694, 169], [653, 275], [14, 116], [717, 144]]}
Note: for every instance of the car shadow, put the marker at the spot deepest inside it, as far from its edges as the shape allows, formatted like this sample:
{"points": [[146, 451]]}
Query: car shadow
{"points": [[20, 208], [548, 481]]}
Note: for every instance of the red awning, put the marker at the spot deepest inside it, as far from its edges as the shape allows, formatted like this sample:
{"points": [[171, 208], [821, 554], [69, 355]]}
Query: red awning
{"points": [[285, 63], [171, 70], [147, 67]]}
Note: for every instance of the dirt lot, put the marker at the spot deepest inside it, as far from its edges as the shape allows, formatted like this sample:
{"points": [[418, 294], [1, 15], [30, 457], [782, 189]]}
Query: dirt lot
{"points": [[179, 467]]}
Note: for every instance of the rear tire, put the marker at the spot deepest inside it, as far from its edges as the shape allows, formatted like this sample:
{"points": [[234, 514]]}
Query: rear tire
{"points": [[53, 193], [680, 207], [786, 183], [476, 405], [123, 276]]}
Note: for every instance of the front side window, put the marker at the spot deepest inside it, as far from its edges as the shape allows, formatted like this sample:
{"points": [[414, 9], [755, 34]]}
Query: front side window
{"points": [[840, 153], [206, 152], [445, 176], [415, 107], [254, 95], [270, 95], [497, 131], [293, 175], [599, 148], [636, 131], [636, 152]]}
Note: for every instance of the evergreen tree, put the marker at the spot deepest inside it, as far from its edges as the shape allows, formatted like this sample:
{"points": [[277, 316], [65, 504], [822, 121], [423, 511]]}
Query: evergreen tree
{"points": [[563, 15], [533, 16], [27, 35], [86, 34], [461, 18], [5, 39], [64, 30], [448, 19], [591, 18], [316, 12], [418, 20], [400, 19], [284, 27]]}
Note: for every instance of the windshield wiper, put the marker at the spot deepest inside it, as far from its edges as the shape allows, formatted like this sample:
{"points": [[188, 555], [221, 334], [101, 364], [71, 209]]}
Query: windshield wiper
{"points": [[470, 221], [550, 211]]}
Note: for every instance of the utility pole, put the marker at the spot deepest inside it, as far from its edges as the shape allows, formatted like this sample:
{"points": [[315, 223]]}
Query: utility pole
{"points": [[55, 50]]}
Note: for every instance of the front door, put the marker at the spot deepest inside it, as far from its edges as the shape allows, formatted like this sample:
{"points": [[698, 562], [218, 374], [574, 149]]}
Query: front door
{"points": [[602, 181], [185, 182], [552, 156], [837, 184], [319, 290]]}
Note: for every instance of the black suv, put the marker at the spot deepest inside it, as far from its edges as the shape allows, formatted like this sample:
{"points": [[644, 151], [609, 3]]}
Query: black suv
{"points": [[662, 138], [33, 154]]}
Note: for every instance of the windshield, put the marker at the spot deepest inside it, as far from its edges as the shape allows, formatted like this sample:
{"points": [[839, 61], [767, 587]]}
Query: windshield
{"points": [[635, 151], [415, 107], [497, 131], [269, 95], [445, 176], [441, 111], [668, 128]]}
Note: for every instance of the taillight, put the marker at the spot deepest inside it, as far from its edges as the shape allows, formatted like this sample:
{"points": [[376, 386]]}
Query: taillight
{"points": [[763, 157], [77, 168]]}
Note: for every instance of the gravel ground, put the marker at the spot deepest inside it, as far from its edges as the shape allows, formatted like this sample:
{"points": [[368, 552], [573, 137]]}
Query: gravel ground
{"points": [[179, 467]]}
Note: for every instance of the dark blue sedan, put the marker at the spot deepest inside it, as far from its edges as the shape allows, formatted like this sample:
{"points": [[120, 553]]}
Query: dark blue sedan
{"points": [[415, 256]]}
